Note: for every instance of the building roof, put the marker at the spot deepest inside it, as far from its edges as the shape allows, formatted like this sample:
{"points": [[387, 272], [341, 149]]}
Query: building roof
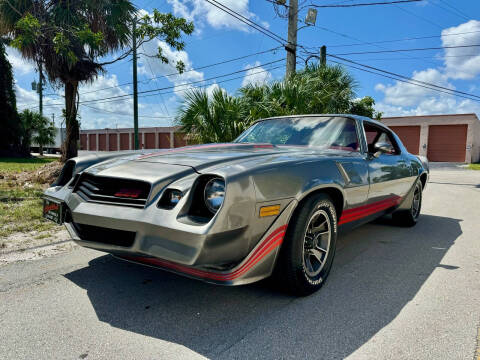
{"points": [[430, 116]]}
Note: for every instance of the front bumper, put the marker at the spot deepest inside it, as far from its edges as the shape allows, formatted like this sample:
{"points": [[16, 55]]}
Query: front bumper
{"points": [[215, 254]]}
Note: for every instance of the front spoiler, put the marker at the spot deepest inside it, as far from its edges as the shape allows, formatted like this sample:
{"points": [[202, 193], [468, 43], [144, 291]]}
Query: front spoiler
{"points": [[257, 265]]}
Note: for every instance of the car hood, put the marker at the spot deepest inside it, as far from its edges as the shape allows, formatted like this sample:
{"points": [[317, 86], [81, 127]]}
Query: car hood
{"points": [[206, 156]]}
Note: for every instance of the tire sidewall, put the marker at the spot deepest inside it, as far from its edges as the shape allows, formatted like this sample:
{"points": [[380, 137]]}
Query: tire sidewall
{"points": [[420, 189], [321, 202]]}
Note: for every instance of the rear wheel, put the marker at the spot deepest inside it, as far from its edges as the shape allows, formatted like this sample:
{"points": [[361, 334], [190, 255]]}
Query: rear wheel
{"points": [[410, 217], [309, 248]]}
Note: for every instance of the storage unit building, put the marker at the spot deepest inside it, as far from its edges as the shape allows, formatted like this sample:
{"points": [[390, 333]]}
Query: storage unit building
{"points": [[442, 138]]}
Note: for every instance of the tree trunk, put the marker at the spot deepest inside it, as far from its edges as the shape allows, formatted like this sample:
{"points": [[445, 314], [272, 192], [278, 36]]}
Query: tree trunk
{"points": [[40, 150], [72, 136]]}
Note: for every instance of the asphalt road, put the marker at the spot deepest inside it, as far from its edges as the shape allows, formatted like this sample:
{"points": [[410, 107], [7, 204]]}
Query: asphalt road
{"points": [[393, 293]]}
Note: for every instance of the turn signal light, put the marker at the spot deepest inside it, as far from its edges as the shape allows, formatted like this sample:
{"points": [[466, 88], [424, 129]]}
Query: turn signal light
{"points": [[269, 210]]}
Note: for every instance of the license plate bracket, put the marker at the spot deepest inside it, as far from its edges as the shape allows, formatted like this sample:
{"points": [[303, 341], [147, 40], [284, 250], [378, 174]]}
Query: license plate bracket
{"points": [[53, 210]]}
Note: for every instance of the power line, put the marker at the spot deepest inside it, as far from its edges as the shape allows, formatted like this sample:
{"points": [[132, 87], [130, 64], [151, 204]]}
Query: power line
{"points": [[187, 71], [408, 50], [397, 79], [409, 80], [419, 58], [364, 4], [405, 39], [116, 113], [419, 16], [247, 21], [455, 8], [118, 97], [450, 11], [198, 81]]}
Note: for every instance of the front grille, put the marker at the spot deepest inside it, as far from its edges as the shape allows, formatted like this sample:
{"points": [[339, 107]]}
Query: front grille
{"points": [[104, 235], [112, 191]]}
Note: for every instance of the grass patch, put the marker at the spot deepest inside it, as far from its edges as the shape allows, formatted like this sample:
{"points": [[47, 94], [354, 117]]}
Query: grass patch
{"points": [[474, 166], [18, 165], [21, 210], [21, 204]]}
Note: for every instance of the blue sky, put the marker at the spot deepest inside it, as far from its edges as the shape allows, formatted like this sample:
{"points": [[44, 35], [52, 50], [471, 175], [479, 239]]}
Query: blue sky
{"points": [[219, 37]]}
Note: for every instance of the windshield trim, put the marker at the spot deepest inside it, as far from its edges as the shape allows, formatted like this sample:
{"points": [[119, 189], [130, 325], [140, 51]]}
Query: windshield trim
{"points": [[356, 121]]}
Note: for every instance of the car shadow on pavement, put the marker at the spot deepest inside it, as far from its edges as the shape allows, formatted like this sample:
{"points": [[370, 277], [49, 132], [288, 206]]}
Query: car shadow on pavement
{"points": [[378, 269]]}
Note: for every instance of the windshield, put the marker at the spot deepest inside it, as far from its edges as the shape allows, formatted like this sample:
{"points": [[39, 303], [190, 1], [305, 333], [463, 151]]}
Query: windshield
{"points": [[328, 132]]}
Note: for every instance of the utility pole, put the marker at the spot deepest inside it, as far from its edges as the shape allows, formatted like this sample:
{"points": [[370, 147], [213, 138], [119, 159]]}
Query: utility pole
{"points": [[323, 55], [40, 89], [291, 47], [135, 84]]}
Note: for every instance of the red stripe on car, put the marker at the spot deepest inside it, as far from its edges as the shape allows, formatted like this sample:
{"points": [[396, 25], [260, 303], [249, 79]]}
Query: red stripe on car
{"points": [[273, 240], [360, 212]]}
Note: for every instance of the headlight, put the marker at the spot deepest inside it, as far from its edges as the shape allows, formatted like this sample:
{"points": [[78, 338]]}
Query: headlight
{"points": [[214, 194]]}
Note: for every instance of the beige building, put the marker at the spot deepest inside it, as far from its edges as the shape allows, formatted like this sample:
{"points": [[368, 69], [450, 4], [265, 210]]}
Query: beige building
{"points": [[450, 138], [123, 139]]}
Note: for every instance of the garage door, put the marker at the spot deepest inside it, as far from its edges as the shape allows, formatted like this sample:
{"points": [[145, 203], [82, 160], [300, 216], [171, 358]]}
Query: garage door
{"points": [[447, 143], [410, 136]]}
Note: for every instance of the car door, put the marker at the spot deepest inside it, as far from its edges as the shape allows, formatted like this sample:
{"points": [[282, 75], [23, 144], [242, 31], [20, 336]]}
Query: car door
{"points": [[388, 172]]}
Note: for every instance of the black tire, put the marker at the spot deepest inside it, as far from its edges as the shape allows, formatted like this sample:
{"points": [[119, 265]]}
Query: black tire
{"points": [[409, 218], [302, 268]]}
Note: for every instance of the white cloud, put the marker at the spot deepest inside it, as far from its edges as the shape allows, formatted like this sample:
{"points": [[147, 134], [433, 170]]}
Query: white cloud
{"points": [[401, 98], [459, 66], [99, 115], [256, 76], [431, 106], [210, 89], [20, 65], [202, 12], [406, 94], [152, 67]]}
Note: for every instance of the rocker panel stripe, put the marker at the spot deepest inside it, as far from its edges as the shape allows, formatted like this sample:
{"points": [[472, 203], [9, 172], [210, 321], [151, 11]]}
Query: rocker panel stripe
{"points": [[360, 212]]}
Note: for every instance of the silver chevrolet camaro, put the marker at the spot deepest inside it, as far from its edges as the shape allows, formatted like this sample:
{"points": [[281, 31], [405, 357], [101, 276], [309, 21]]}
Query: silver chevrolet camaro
{"points": [[269, 203]]}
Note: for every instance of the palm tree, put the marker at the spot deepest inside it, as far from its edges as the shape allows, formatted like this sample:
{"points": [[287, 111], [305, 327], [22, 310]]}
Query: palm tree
{"points": [[44, 133], [10, 133], [314, 90], [67, 37], [219, 118], [317, 89]]}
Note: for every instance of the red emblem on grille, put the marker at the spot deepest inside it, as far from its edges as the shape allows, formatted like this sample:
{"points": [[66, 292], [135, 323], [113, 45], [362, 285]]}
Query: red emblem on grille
{"points": [[128, 193]]}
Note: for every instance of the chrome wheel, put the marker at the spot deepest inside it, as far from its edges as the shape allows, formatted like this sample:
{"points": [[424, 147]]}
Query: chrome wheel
{"points": [[316, 244], [417, 200]]}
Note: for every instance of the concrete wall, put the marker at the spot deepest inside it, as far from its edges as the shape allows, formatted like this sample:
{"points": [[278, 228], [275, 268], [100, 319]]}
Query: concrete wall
{"points": [[472, 153]]}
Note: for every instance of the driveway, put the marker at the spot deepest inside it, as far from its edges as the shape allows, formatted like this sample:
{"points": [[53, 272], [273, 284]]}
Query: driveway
{"points": [[394, 293]]}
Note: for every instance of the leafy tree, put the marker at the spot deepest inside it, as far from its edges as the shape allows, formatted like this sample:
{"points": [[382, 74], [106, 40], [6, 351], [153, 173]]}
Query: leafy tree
{"points": [[35, 128], [10, 129], [364, 107], [219, 118], [44, 133], [313, 90], [68, 38]]}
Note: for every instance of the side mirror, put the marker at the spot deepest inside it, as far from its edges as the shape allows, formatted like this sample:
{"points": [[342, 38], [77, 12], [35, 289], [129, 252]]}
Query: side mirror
{"points": [[383, 148]]}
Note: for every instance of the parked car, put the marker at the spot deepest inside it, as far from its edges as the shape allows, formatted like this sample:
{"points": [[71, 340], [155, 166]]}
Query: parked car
{"points": [[271, 202]]}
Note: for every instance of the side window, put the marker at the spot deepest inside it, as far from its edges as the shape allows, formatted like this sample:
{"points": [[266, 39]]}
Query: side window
{"points": [[376, 134], [347, 138]]}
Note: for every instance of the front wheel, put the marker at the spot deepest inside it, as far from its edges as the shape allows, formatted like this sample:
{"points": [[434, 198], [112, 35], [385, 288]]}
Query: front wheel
{"points": [[309, 248]]}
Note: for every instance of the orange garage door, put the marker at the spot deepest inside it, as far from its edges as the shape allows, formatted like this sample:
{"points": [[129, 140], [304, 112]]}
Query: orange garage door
{"points": [[447, 143], [410, 136]]}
